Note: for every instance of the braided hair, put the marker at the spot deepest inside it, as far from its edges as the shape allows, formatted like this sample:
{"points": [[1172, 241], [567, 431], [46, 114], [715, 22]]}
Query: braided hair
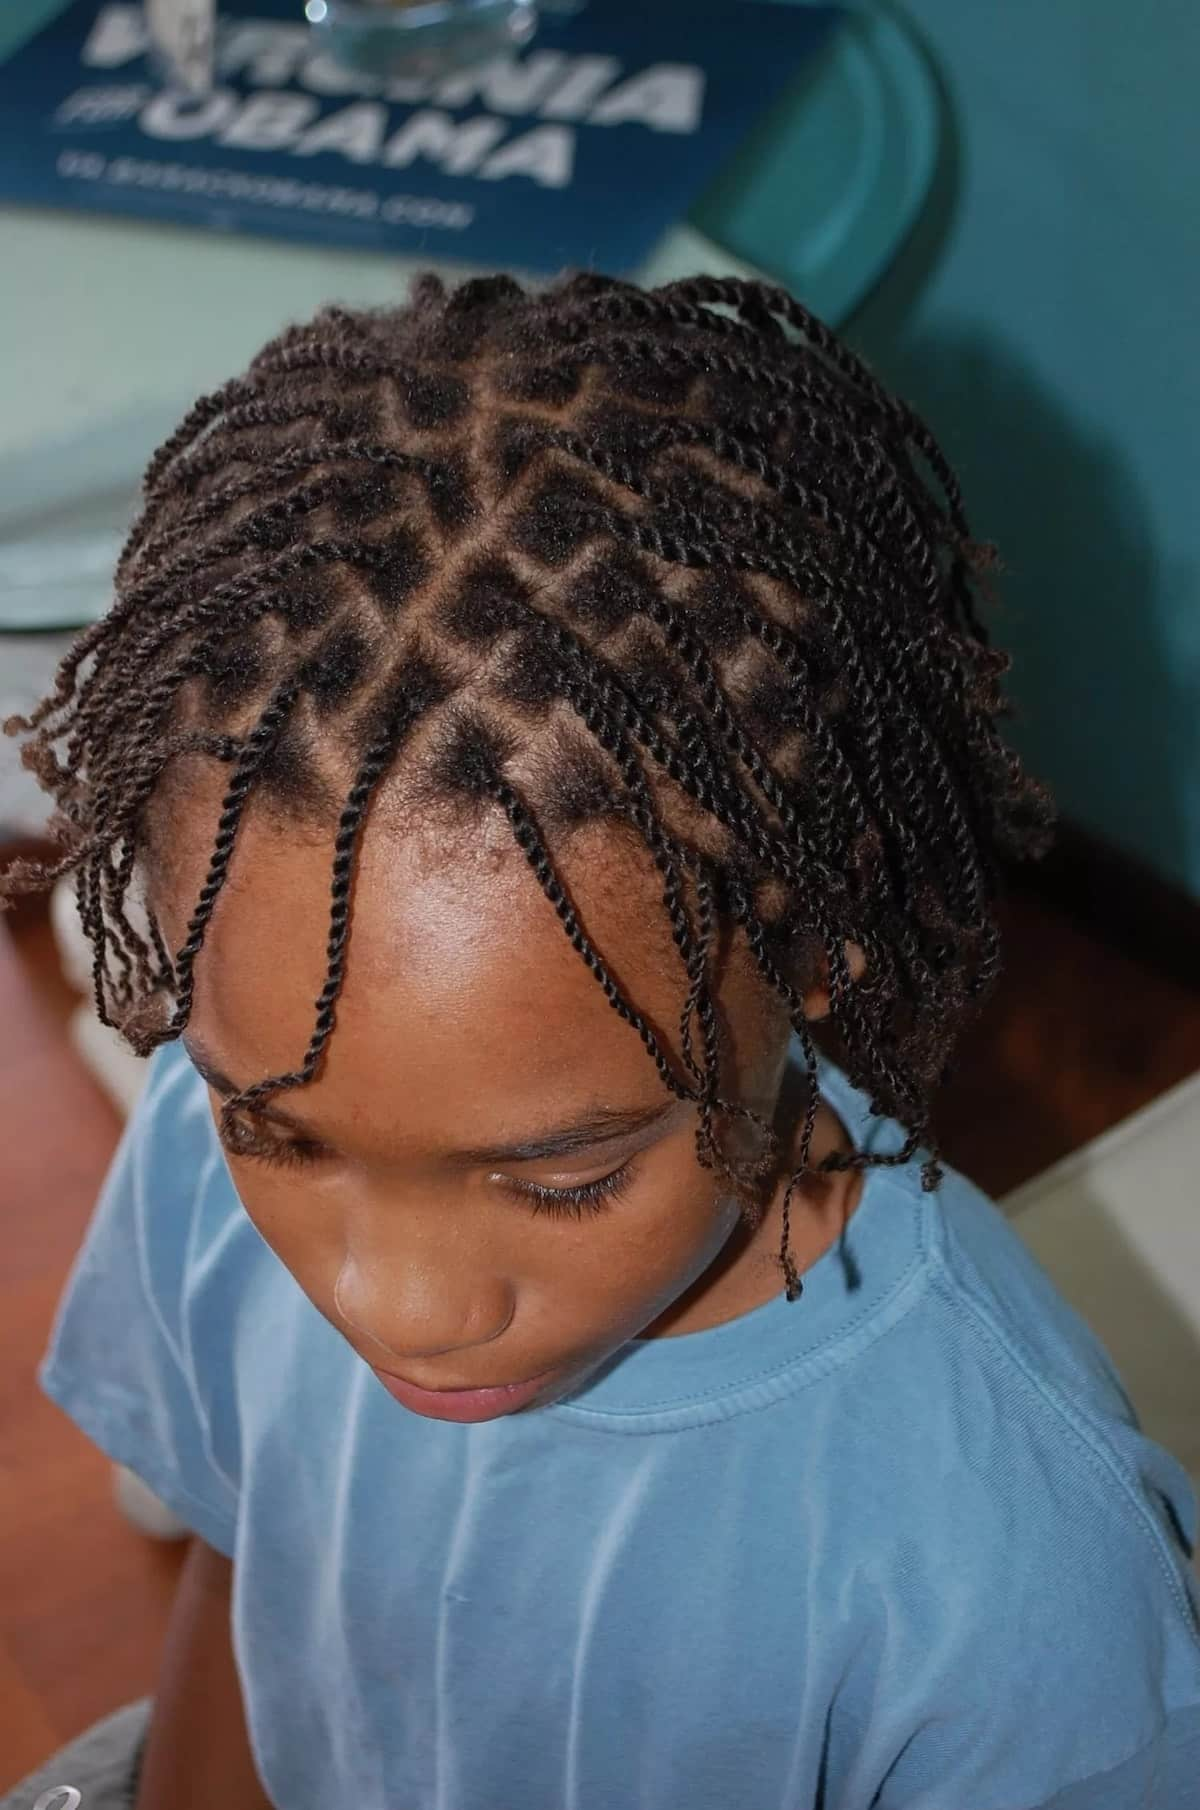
{"points": [[679, 542]]}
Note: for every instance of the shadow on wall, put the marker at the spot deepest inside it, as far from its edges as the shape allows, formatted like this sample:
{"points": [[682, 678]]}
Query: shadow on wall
{"points": [[1101, 714]]}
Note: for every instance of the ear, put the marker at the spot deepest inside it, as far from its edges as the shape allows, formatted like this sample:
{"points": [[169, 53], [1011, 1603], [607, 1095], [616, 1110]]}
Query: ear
{"points": [[816, 998]]}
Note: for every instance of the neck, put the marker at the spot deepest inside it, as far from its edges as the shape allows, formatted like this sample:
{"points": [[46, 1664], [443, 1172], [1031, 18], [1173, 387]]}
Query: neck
{"points": [[747, 1272]]}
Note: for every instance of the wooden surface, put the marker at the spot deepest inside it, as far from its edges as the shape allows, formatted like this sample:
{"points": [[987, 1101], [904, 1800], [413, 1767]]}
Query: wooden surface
{"points": [[1079, 1036], [83, 1597]]}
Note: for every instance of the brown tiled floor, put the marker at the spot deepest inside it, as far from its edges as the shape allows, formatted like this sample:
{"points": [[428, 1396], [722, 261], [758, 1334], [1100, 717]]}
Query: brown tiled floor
{"points": [[1078, 1037]]}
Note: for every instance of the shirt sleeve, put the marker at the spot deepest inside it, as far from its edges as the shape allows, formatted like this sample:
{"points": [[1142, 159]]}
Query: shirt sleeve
{"points": [[1051, 1657], [119, 1361], [1162, 1775], [1021, 1743], [1080, 1690]]}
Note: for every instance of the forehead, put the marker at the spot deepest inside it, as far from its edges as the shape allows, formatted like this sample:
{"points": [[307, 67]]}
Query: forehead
{"points": [[461, 991]]}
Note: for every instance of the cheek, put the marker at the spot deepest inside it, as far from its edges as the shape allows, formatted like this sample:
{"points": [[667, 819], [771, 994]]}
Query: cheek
{"points": [[298, 1226], [664, 1239]]}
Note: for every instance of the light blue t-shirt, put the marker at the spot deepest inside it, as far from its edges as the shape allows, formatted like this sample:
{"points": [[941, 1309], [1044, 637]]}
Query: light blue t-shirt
{"points": [[899, 1544]]}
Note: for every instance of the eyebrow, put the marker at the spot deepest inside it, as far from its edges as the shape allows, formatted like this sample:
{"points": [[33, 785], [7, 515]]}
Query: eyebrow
{"points": [[602, 1125], [599, 1125], [208, 1071]]}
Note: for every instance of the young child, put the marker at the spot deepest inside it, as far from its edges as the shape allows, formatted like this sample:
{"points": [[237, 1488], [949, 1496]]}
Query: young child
{"points": [[525, 716]]}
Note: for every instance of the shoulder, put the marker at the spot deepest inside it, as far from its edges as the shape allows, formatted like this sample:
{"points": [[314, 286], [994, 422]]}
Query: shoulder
{"points": [[1035, 1425], [1031, 1545], [141, 1330], [169, 1181], [1060, 1412], [172, 1113]]}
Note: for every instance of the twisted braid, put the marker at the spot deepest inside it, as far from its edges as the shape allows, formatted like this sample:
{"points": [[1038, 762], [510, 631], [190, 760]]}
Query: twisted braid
{"points": [[534, 849], [375, 763], [249, 760]]}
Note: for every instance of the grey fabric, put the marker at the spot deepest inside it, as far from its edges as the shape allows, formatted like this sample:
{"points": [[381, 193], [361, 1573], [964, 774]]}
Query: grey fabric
{"points": [[101, 1764]]}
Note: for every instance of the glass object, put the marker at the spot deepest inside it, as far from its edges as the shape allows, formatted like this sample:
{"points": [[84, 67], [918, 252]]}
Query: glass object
{"points": [[182, 40], [419, 40]]}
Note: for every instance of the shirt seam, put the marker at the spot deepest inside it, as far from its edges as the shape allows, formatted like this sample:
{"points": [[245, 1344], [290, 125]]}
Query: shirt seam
{"points": [[1076, 1421], [812, 1366], [117, 1410]]}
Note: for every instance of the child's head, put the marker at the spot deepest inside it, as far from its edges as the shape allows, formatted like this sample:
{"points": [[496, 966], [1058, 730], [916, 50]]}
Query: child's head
{"points": [[610, 666]]}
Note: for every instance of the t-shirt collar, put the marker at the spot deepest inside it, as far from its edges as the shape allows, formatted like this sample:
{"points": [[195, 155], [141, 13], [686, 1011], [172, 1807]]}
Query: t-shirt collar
{"points": [[855, 1288]]}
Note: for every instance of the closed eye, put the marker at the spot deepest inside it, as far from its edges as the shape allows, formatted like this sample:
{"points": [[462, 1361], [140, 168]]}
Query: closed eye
{"points": [[572, 1203], [243, 1140], [240, 1138]]}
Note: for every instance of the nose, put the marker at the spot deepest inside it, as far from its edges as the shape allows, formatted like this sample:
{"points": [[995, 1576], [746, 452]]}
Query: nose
{"points": [[416, 1311]]}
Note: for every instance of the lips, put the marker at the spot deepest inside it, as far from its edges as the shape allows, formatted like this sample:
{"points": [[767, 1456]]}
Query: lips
{"points": [[463, 1405], [449, 1388]]}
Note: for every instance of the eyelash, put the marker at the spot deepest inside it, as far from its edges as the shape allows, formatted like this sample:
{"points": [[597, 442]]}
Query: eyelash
{"points": [[239, 1141], [550, 1203], [573, 1203]]}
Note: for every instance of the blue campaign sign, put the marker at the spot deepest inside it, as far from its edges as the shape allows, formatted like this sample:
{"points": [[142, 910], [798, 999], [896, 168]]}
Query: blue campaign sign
{"points": [[580, 149]]}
